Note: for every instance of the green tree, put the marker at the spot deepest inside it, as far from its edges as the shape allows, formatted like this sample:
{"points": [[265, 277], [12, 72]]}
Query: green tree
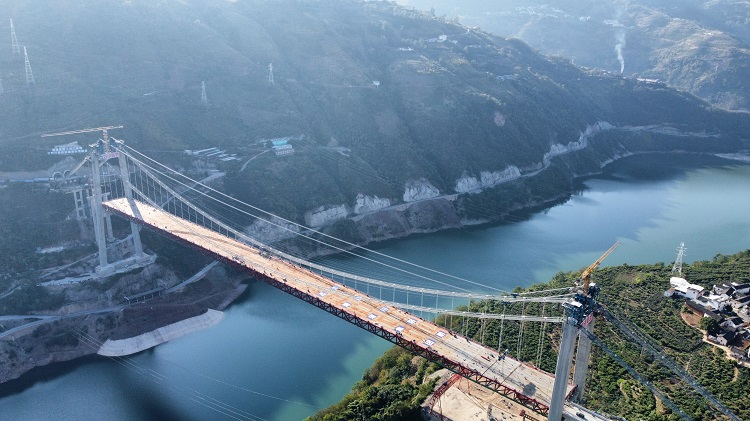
{"points": [[710, 325]]}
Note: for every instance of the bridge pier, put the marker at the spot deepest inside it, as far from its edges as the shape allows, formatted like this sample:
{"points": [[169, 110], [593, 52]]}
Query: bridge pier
{"points": [[562, 371], [583, 356]]}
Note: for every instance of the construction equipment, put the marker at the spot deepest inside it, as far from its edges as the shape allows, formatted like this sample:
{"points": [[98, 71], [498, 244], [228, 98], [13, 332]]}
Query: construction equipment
{"points": [[105, 137], [586, 274], [95, 129], [438, 393]]}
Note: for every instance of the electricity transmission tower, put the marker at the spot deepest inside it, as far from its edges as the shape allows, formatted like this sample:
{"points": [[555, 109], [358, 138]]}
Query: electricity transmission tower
{"points": [[677, 268], [13, 39], [29, 74], [204, 98], [270, 74]]}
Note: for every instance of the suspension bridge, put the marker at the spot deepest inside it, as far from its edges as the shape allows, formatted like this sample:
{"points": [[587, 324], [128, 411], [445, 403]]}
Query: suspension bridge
{"points": [[141, 195], [149, 194]]}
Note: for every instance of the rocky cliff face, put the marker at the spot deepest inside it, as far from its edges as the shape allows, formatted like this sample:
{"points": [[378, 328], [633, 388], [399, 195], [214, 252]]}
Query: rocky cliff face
{"points": [[367, 204], [429, 211], [419, 189], [557, 149], [324, 215], [272, 230], [487, 179], [398, 221]]}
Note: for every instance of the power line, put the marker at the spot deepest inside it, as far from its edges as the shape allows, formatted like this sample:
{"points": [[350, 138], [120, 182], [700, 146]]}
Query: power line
{"points": [[190, 393], [276, 217]]}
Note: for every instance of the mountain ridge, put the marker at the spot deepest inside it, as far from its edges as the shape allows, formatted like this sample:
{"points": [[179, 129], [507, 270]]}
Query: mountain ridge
{"points": [[377, 96]]}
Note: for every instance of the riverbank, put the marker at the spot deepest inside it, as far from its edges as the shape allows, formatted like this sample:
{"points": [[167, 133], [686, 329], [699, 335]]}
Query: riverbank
{"points": [[555, 182], [144, 341], [656, 202], [74, 334]]}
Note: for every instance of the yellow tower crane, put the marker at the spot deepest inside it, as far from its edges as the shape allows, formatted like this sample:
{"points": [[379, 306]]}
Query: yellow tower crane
{"points": [[586, 274], [105, 136]]}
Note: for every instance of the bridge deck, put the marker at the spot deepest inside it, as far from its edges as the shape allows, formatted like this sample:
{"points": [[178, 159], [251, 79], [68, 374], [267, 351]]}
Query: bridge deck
{"points": [[519, 381]]}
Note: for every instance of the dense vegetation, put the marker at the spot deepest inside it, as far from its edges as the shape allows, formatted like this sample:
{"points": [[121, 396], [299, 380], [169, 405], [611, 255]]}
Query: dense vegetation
{"points": [[633, 294], [31, 218], [391, 390]]}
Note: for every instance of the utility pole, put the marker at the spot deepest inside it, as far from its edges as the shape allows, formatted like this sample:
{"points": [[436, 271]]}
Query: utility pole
{"points": [[14, 40], [270, 75], [29, 74], [204, 98]]}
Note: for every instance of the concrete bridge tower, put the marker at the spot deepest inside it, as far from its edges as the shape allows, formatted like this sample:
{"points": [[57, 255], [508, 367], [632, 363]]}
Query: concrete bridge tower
{"points": [[564, 359]]}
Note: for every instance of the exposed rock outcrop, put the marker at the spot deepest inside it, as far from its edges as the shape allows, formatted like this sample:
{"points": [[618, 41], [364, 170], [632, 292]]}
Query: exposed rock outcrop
{"points": [[487, 179], [399, 221], [559, 148], [419, 189], [272, 230], [324, 215], [367, 204]]}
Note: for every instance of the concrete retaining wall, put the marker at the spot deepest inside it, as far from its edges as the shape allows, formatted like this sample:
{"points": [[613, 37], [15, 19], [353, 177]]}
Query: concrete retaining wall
{"points": [[163, 334]]}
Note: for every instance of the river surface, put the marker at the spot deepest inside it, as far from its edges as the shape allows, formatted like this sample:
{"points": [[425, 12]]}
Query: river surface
{"points": [[277, 358]]}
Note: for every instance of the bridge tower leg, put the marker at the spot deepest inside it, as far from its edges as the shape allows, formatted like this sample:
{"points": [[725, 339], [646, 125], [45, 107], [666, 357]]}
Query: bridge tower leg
{"points": [[134, 228], [108, 224], [98, 214], [562, 372], [583, 356]]}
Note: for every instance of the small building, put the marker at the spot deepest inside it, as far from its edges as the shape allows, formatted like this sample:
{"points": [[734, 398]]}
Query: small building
{"points": [[743, 288], [723, 338], [738, 353], [685, 289], [71, 148], [741, 300], [724, 289], [699, 309], [735, 352], [732, 323], [283, 150], [713, 302]]}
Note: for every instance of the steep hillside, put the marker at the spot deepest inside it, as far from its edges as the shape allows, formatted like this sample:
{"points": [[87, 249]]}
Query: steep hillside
{"points": [[383, 106], [699, 46], [636, 295]]}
